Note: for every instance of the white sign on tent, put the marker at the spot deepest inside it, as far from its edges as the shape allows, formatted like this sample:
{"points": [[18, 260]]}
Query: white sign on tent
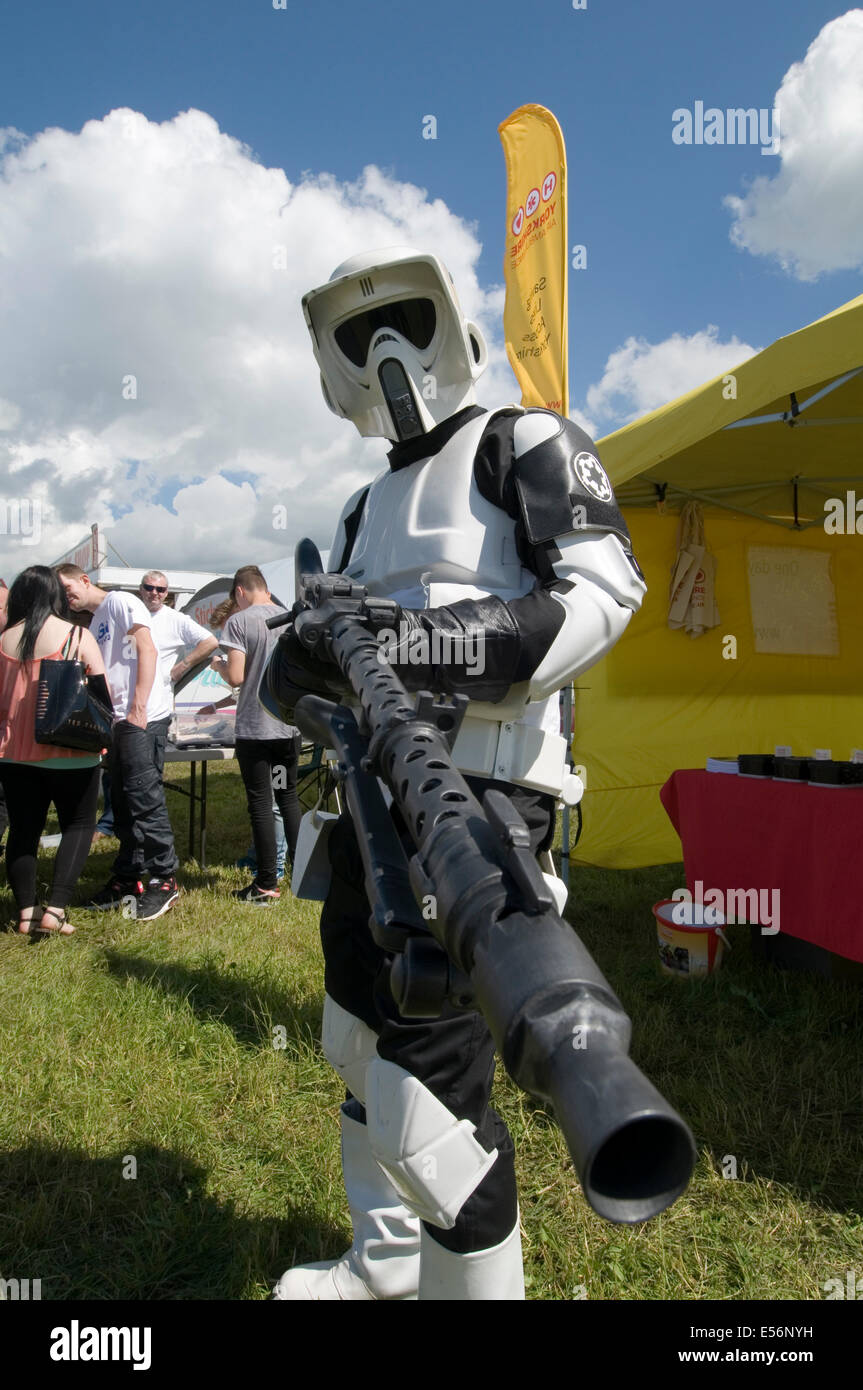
{"points": [[792, 601]]}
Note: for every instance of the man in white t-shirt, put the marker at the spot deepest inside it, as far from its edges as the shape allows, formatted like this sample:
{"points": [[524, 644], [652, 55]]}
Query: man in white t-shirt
{"points": [[173, 633], [121, 625]]}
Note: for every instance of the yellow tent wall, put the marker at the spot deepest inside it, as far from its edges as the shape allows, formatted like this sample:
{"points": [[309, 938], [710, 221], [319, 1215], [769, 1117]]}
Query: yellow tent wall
{"points": [[662, 700]]}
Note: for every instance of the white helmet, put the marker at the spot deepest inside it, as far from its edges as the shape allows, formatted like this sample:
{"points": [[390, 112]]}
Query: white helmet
{"points": [[395, 351]]}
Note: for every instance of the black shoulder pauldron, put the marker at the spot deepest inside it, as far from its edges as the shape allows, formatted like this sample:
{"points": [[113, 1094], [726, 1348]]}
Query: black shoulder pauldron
{"points": [[557, 487], [562, 486]]}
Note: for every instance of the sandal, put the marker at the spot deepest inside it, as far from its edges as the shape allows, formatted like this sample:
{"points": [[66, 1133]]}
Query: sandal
{"points": [[25, 923], [63, 928]]}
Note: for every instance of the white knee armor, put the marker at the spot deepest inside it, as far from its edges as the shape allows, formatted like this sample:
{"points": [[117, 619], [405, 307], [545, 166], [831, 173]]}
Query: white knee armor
{"points": [[431, 1158]]}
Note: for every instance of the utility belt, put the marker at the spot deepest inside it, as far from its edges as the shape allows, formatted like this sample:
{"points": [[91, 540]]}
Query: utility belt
{"points": [[515, 752], [506, 751]]}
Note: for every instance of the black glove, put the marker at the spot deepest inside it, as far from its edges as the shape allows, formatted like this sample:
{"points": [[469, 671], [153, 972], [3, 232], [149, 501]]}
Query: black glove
{"points": [[472, 647], [294, 671]]}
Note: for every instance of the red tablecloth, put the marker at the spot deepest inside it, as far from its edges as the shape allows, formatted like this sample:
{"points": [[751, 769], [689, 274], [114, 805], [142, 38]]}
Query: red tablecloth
{"points": [[744, 832]]}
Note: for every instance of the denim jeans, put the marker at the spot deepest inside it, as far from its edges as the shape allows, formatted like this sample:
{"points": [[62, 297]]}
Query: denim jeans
{"points": [[141, 823], [105, 823]]}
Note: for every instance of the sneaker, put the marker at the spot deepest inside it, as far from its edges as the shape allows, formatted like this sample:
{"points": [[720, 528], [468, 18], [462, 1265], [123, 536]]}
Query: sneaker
{"points": [[115, 893], [161, 894], [260, 897]]}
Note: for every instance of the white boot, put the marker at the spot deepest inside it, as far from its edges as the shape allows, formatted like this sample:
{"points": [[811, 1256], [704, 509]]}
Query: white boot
{"points": [[496, 1273], [384, 1260]]}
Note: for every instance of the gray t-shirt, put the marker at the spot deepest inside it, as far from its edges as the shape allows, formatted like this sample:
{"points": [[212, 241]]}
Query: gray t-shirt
{"points": [[248, 632]]}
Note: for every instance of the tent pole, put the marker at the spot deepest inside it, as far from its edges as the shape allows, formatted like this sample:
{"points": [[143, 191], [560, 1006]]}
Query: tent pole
{"points": [[726, 506], [804, 480], [791, 416]]}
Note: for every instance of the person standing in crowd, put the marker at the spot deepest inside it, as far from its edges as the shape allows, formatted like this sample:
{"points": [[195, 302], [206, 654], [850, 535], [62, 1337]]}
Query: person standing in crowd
{"points": [[248, 860], [121, 625], [34, 775], [267, 750], [172, 633]]}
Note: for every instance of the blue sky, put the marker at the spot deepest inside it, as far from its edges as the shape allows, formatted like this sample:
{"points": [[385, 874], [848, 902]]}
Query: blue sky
{"points": [[332, 88]]}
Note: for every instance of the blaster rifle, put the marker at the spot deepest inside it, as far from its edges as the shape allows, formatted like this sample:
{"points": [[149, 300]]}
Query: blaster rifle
{"points": [[493, 940]]}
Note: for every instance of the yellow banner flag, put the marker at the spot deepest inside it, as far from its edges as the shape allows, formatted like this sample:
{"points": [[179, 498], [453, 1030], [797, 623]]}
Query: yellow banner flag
{"points": [[535, 259]]}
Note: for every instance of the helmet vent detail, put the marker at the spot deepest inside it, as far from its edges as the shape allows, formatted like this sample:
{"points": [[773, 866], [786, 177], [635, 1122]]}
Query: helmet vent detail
{"points": [[366, 286]]}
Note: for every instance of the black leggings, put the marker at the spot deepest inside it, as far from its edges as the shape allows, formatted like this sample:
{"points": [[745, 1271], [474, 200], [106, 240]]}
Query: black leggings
{"points": [[269, 769], [29, 792]]}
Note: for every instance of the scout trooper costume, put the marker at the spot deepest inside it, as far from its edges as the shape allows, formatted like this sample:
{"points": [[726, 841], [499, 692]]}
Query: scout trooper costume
{"points": [[499, 537]]}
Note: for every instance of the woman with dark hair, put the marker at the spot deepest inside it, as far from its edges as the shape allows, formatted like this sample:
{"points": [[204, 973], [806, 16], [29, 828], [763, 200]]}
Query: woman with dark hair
{"points": [[34, 775]]}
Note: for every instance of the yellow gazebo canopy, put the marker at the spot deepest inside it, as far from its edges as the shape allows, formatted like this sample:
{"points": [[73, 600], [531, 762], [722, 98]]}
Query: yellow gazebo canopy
{"points": [[762, 447]]}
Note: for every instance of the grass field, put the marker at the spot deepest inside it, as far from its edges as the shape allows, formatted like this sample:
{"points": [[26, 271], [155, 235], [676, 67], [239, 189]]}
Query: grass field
{"points": [[158, 1143]]}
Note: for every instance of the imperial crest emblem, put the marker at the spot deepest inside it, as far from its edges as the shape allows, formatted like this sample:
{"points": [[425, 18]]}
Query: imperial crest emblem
{"points": [[592, 476]]}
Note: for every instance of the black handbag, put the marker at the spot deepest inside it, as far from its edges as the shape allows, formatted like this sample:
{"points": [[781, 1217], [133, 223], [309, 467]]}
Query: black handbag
{"points": [[73, 710]]}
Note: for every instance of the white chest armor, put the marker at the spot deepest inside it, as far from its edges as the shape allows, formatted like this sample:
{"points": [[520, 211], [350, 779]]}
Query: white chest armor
{"points": [[428, 538]]}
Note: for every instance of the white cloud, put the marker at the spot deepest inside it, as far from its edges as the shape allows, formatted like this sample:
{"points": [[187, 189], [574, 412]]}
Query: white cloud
{"points": [[587, 424], [809, 216], [133, 249], [641, 376]]}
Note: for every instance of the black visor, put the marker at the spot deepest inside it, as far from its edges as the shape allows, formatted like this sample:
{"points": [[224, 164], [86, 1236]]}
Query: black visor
{"points": [[413, 319]]}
